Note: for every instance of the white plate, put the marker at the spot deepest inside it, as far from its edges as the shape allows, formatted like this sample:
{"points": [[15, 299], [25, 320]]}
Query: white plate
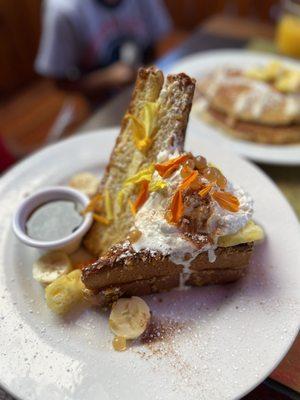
{"points": [[225, 340], [202, 63]]}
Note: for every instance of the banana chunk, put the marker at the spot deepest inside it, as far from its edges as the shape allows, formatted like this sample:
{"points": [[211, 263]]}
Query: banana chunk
{"points": [[249, 233], [51, 266], [85, 182], [65, 292], [129, 318]]}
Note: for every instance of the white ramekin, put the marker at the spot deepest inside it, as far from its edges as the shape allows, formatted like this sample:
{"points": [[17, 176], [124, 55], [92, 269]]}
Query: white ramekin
{"points": [[69, 243]]}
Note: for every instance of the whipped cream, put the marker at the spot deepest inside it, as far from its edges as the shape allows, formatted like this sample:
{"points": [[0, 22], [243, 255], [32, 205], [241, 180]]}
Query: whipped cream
{"points": [[159, 235], [224, 222]]}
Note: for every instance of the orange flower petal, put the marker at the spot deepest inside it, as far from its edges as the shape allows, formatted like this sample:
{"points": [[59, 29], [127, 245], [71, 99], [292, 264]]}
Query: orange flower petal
{"points": [[186, 170], [165, 169], [141, 198], [226, 200], [85, 263], [206, 188], [169, 171], [177, 207], [132, 208], [186, 183], [101, 219], [94, 202]]}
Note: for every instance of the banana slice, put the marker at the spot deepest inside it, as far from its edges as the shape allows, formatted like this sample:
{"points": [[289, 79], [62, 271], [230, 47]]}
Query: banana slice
{"points": [[51, 266], [129, 318], [249, 233], [85, 182], [64, 293]]}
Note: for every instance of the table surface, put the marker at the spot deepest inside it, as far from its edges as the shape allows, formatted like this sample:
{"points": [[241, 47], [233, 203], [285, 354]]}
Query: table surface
{"points": [[223, 32]]}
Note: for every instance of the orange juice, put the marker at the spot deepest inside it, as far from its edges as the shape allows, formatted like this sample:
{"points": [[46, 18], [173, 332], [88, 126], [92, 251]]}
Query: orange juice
{"points": [[288, 35]]}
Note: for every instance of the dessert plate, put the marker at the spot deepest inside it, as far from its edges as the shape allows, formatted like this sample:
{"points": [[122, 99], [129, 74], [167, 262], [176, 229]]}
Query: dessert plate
{"points": [[202, 63], [203, 343]]}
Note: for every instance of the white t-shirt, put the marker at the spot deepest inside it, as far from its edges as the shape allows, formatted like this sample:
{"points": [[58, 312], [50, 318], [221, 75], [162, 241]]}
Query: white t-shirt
{"points": [[80, 35]]}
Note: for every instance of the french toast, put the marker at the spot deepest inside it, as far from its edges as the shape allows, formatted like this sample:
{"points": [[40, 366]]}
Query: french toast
{"points": [[143, 272], [178, 208], [174, 101], [247, 108]]}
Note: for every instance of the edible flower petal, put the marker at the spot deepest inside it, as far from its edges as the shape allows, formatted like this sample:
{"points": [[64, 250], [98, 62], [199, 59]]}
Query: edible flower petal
{"points": [[101, 219], [108, 206], [93, 204], [166, 168], [150, 117], [176, 207], [143, 175], [226, 200], [156, 185], [132, 207], [141, 198], [142, 128], [206, 188], [186, 183]]}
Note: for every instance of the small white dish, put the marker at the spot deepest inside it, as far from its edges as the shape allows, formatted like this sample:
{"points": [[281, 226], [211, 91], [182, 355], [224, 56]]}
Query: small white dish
{"points": [[69, 243]]}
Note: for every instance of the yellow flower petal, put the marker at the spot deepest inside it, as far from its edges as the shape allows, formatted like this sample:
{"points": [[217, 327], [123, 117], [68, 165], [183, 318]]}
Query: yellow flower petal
{"points": [[150, 117], [108, 206], [143, 175], [156, 185], [143, 128]]}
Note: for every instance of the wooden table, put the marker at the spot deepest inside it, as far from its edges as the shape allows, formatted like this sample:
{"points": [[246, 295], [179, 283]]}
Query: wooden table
{"points": [[228, 32]]}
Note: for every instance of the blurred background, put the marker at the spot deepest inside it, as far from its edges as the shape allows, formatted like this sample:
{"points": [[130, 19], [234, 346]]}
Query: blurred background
{"points": [[66, 66], [35, 110]]}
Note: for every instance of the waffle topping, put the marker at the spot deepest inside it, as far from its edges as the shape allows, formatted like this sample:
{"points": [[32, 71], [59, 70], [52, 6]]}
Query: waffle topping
{"points": [[141, 197], [226, 200], [94, 204], [284, 78], [101, 204], [205, 189], [156, 185], [176, 208], [196, 207], [208, 179], [188, 181], [143, 128], [109, 210], [101, 219], [143, 175], [166, 168]]}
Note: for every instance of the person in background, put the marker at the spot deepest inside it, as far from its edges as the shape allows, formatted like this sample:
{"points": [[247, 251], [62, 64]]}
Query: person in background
{"points": [[93, 46]]}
